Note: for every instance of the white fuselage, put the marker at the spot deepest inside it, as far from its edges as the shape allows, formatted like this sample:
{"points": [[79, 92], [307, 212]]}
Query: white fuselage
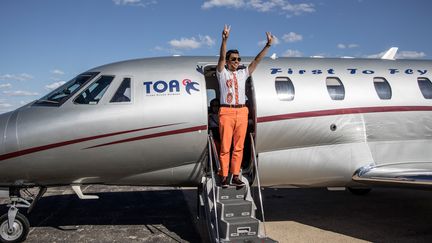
{"points": [[159, 137]]}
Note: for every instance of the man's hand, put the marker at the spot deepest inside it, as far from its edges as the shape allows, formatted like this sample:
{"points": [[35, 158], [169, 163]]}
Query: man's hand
{"points": [[260, 56], [225, 35], [269, 38], [225, 32]]}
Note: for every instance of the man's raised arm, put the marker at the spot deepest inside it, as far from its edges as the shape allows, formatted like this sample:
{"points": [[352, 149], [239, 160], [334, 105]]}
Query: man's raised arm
{"points": [[261, 55], [222, 60]]}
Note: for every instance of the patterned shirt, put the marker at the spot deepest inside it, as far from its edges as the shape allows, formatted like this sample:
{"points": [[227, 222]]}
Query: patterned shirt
{"points": [[233, 86]]}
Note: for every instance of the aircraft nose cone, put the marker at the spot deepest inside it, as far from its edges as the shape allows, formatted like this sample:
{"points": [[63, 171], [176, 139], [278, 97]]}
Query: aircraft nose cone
{"points": [[4, 118]]}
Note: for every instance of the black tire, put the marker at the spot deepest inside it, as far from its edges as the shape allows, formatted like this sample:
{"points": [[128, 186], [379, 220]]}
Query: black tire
{"points": [[21, 229], [359, 191]]}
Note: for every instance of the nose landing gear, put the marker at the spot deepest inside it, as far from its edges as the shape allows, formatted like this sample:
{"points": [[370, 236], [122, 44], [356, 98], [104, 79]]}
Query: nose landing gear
{"points": [[14, 226], [16, 231]]}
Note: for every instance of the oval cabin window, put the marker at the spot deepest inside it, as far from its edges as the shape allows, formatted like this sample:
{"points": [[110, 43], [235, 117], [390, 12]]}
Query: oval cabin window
{"points": [[335, 88], [382, 88], [425, 86], [284, 88]]}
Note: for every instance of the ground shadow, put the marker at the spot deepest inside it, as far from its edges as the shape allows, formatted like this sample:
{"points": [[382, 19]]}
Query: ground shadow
{"points": [[384, 215], [146, 208]]}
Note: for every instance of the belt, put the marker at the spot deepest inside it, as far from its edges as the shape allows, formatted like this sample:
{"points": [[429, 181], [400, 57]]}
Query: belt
{"points": [[233, 106]]}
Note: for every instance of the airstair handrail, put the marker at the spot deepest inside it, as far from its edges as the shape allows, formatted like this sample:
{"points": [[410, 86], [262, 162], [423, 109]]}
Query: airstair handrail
{"points": [[258, 181], [214, 150], [210, 145]]}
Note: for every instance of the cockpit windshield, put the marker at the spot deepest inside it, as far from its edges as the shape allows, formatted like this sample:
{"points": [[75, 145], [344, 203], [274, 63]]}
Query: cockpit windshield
{"points": [[61, 94]]}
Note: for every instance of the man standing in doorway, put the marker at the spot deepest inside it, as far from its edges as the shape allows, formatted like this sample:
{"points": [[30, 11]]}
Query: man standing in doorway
{"points": [[233, 113]]}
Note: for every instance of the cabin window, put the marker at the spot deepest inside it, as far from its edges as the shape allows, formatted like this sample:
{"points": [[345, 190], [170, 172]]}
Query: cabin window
{"points": [[382, 88], [93, 94], [123, 93], [335, 88], [425, 86], [284, 88], [62, 93]]}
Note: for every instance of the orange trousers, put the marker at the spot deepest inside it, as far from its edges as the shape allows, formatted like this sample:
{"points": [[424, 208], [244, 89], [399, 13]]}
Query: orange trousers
{"points": [[233, 124]]}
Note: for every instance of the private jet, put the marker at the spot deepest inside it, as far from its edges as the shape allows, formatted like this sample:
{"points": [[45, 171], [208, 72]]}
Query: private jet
{"points": [[313, 122]]}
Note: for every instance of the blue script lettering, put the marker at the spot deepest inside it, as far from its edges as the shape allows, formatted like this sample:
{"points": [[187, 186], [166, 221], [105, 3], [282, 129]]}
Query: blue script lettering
{"points": [[275, 70]]}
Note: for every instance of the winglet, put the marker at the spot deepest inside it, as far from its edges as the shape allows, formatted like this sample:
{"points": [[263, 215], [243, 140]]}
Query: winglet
{"points": [[390, 54]]}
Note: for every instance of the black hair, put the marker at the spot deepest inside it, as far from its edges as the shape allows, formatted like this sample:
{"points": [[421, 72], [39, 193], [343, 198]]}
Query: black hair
{"points": [[229, 52]]}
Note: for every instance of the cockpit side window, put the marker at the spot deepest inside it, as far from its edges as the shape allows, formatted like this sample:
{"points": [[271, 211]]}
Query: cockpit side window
{"points": [[284, 88], [425, 86], [335, 88], [123, 93], [94, 93], [382, 88], [61, 94]]}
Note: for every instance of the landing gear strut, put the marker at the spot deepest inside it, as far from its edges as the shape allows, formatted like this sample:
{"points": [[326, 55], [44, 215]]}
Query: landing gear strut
{"points": [[14, 226]]}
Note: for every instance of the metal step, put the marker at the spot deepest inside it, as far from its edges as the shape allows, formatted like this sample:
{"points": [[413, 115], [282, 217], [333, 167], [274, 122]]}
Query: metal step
{"points": [[253, 240], [238, 228], [230, 193], [230, 212], [236, 208]]}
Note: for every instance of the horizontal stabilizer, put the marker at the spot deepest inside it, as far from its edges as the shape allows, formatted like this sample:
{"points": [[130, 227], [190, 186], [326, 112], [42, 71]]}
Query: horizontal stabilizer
{"points": [[407, 174], [390, 54]]}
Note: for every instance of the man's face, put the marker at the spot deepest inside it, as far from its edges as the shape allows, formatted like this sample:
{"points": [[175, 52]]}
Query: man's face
{"points": [[233, 62]]}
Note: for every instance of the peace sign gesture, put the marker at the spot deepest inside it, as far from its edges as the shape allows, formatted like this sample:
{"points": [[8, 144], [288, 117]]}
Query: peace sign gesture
{"points": [[226, 31], [269, 38]]}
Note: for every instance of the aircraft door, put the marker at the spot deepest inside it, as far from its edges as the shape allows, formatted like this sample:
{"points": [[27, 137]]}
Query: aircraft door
{"points": [[213, 97]]}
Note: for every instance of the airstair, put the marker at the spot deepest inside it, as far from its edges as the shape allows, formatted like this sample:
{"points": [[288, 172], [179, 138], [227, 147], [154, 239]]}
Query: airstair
{"points": [[229, 213]]}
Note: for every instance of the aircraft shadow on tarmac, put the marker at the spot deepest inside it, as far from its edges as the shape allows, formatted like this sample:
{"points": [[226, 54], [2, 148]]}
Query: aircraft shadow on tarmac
{"points": [[383, 215], [148, 208]]}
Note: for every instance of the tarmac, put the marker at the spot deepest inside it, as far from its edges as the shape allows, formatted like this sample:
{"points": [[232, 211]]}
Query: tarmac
{"points": [[154, 214]]}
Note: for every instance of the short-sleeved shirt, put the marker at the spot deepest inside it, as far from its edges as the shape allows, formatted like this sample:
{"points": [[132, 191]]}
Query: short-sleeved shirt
{"points": [[229, 94]]}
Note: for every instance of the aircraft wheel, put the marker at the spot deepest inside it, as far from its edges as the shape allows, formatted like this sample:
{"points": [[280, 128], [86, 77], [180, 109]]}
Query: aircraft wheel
{"points": [[21, 227], [359, 191]]}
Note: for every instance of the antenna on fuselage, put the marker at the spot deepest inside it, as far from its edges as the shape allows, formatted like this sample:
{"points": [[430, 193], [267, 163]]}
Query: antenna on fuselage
{"points": [[390, 54]]}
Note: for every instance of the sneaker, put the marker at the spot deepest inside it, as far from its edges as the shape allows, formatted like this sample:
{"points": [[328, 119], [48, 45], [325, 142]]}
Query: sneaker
{"points": [[237, 182], [224, 181]]}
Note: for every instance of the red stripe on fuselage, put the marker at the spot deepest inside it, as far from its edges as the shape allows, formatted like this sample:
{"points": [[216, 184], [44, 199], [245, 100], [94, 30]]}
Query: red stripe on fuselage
{"points": [[161, 134], [272, 118], [344, 111], [64, 143]]}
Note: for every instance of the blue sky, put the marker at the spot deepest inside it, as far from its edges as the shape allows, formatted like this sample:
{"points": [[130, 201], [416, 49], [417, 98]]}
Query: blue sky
{"points": [[44, 43]]}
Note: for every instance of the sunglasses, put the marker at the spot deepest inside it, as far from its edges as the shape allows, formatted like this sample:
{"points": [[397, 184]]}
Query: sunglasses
{"points": [[233, 59]]}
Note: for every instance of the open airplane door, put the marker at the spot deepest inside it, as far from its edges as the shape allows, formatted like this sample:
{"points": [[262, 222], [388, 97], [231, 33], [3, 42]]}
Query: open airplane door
{"points": [[212, 88]]}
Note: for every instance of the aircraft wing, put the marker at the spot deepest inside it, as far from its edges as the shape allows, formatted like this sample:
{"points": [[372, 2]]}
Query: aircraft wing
{"points": [[416, 174]]}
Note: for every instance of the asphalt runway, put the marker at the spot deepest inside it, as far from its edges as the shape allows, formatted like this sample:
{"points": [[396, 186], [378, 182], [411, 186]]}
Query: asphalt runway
{"points": [[121, 214], [149, 214], [318, 215]]}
